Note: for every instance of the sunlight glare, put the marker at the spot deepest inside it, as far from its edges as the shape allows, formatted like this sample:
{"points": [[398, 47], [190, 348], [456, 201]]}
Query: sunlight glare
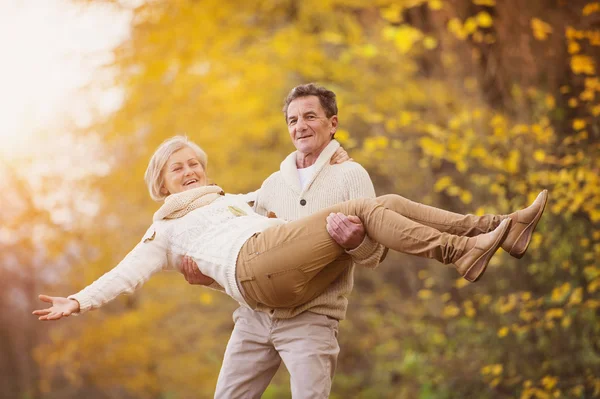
{"points": [[50, 50]]}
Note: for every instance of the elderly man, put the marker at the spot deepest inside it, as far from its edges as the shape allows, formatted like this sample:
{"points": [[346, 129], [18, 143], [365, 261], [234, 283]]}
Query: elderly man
{"points": [[305, 338]]}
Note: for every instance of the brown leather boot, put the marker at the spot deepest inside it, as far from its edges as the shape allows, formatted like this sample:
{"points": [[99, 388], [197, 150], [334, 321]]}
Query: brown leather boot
{"points": [[473, 263], [523, 225]]}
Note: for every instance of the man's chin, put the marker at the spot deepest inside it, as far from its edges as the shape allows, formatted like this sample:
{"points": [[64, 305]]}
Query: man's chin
{"points": [[304, 148]]}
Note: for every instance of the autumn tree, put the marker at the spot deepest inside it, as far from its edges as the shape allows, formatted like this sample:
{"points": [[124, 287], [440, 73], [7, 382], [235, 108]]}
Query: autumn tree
{"points": [[473, 106]]}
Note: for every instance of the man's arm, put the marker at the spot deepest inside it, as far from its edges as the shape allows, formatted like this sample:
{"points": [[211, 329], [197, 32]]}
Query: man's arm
{"points": [[194, 276], [369, 253]]}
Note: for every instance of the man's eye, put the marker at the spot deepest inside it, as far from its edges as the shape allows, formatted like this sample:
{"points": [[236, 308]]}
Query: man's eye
{"points": [[292, 122], [310, 117]]}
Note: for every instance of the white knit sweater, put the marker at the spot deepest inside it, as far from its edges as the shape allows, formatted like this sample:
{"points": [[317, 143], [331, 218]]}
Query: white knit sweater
{"points": [[212, 235], [331, 184]]}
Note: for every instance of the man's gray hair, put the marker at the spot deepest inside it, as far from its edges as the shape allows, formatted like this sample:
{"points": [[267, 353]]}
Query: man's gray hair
{"points": [[154, 176], [326, 98]]}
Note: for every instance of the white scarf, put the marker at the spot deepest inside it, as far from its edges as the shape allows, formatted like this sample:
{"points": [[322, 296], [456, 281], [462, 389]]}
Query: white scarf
{"points": [[179, 204]]}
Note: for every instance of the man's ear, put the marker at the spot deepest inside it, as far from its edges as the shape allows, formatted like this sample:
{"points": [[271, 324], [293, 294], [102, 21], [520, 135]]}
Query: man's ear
{"points": [[334, 124]]}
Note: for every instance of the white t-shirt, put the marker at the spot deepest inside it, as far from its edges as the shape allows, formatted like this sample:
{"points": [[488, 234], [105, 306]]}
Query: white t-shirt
{"points": [[306, 174]]}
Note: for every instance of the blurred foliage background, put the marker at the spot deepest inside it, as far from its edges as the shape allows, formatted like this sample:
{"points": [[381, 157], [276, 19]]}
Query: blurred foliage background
{"points": [[470, 105]]}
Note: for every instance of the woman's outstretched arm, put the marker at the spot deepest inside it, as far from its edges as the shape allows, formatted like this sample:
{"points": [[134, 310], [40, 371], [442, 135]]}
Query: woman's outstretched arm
{"points": [[61, 307], [147, 258]]}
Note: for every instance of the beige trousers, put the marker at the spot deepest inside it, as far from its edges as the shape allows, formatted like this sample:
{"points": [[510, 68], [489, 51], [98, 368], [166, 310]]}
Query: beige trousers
{"points": [[307, 344], [290, 264]]}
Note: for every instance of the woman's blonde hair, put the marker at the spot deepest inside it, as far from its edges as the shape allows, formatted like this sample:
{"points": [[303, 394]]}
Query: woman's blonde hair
{"points": [[154, 177]]}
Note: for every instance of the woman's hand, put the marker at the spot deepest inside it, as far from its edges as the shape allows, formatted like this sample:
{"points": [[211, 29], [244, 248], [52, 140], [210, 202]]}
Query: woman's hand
{"points": [[340, 156], [61, 307]]}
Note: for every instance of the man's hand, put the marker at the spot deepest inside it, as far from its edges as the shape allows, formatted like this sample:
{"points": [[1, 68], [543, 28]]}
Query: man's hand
{"points": [[339, 156], [192, 274], [347, 231]]}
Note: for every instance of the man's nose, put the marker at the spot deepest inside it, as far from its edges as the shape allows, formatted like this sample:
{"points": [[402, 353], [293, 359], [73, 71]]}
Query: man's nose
{"points": [[300, 125]]}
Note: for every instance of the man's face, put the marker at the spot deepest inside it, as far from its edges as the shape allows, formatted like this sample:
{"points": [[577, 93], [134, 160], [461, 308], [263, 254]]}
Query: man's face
{"points": [[308, 126]]}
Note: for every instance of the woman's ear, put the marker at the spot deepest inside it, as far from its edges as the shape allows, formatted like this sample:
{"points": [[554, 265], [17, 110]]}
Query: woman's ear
{"points": [[164, 191]]}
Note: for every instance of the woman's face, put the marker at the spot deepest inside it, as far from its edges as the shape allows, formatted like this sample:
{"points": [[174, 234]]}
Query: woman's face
{"points": [[182, 171]]}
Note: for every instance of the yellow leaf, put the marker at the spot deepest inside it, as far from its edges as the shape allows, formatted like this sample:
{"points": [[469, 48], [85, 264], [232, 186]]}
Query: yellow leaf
{"points": [[574, 47], [559, 293], [470, 312], [590, 8], [593, 286], [549, 382], [424, 294], [456, 27], [587, 95], [466, 197], [526, 316], [453, 191], [512, 162], [470, 25], [577, 391], [436, 4], [579, 124], [554, 313], [406, 36], [573, 102], [236, 211], [503, 332], [405, 118], [497, 369], [450, 311], [484, 19], [488, 3], [430, 43], [392, 13], [432, 147], [332, 37], [540, 29], [460, 283], [583, 64], [539, 155]]}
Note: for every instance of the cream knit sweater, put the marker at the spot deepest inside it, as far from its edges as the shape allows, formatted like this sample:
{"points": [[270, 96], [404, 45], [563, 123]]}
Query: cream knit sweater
{"points": [[212, 235], [331, 184]]}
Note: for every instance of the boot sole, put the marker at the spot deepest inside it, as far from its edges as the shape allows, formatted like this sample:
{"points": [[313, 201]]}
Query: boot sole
{"points": [[529, 230], [480, 265]]}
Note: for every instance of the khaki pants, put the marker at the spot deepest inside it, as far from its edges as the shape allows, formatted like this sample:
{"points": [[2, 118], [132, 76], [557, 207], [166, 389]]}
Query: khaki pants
{"points": [[290, 264], [307, 344]]}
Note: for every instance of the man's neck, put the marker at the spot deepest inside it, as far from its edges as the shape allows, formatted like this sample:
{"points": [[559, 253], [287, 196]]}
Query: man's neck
{"points": [[305, 160]]}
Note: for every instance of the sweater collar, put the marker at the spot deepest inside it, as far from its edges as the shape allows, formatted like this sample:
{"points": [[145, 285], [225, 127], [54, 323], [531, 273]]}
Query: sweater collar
{"points": [[179, 204], [289, 171]]}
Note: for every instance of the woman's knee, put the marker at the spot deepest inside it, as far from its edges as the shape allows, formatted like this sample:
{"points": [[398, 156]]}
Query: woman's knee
{"points": [[361, 206]]}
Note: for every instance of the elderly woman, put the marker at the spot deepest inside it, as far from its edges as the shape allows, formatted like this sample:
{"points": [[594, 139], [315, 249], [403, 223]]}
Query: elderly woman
{"points": [[278, 264]]}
